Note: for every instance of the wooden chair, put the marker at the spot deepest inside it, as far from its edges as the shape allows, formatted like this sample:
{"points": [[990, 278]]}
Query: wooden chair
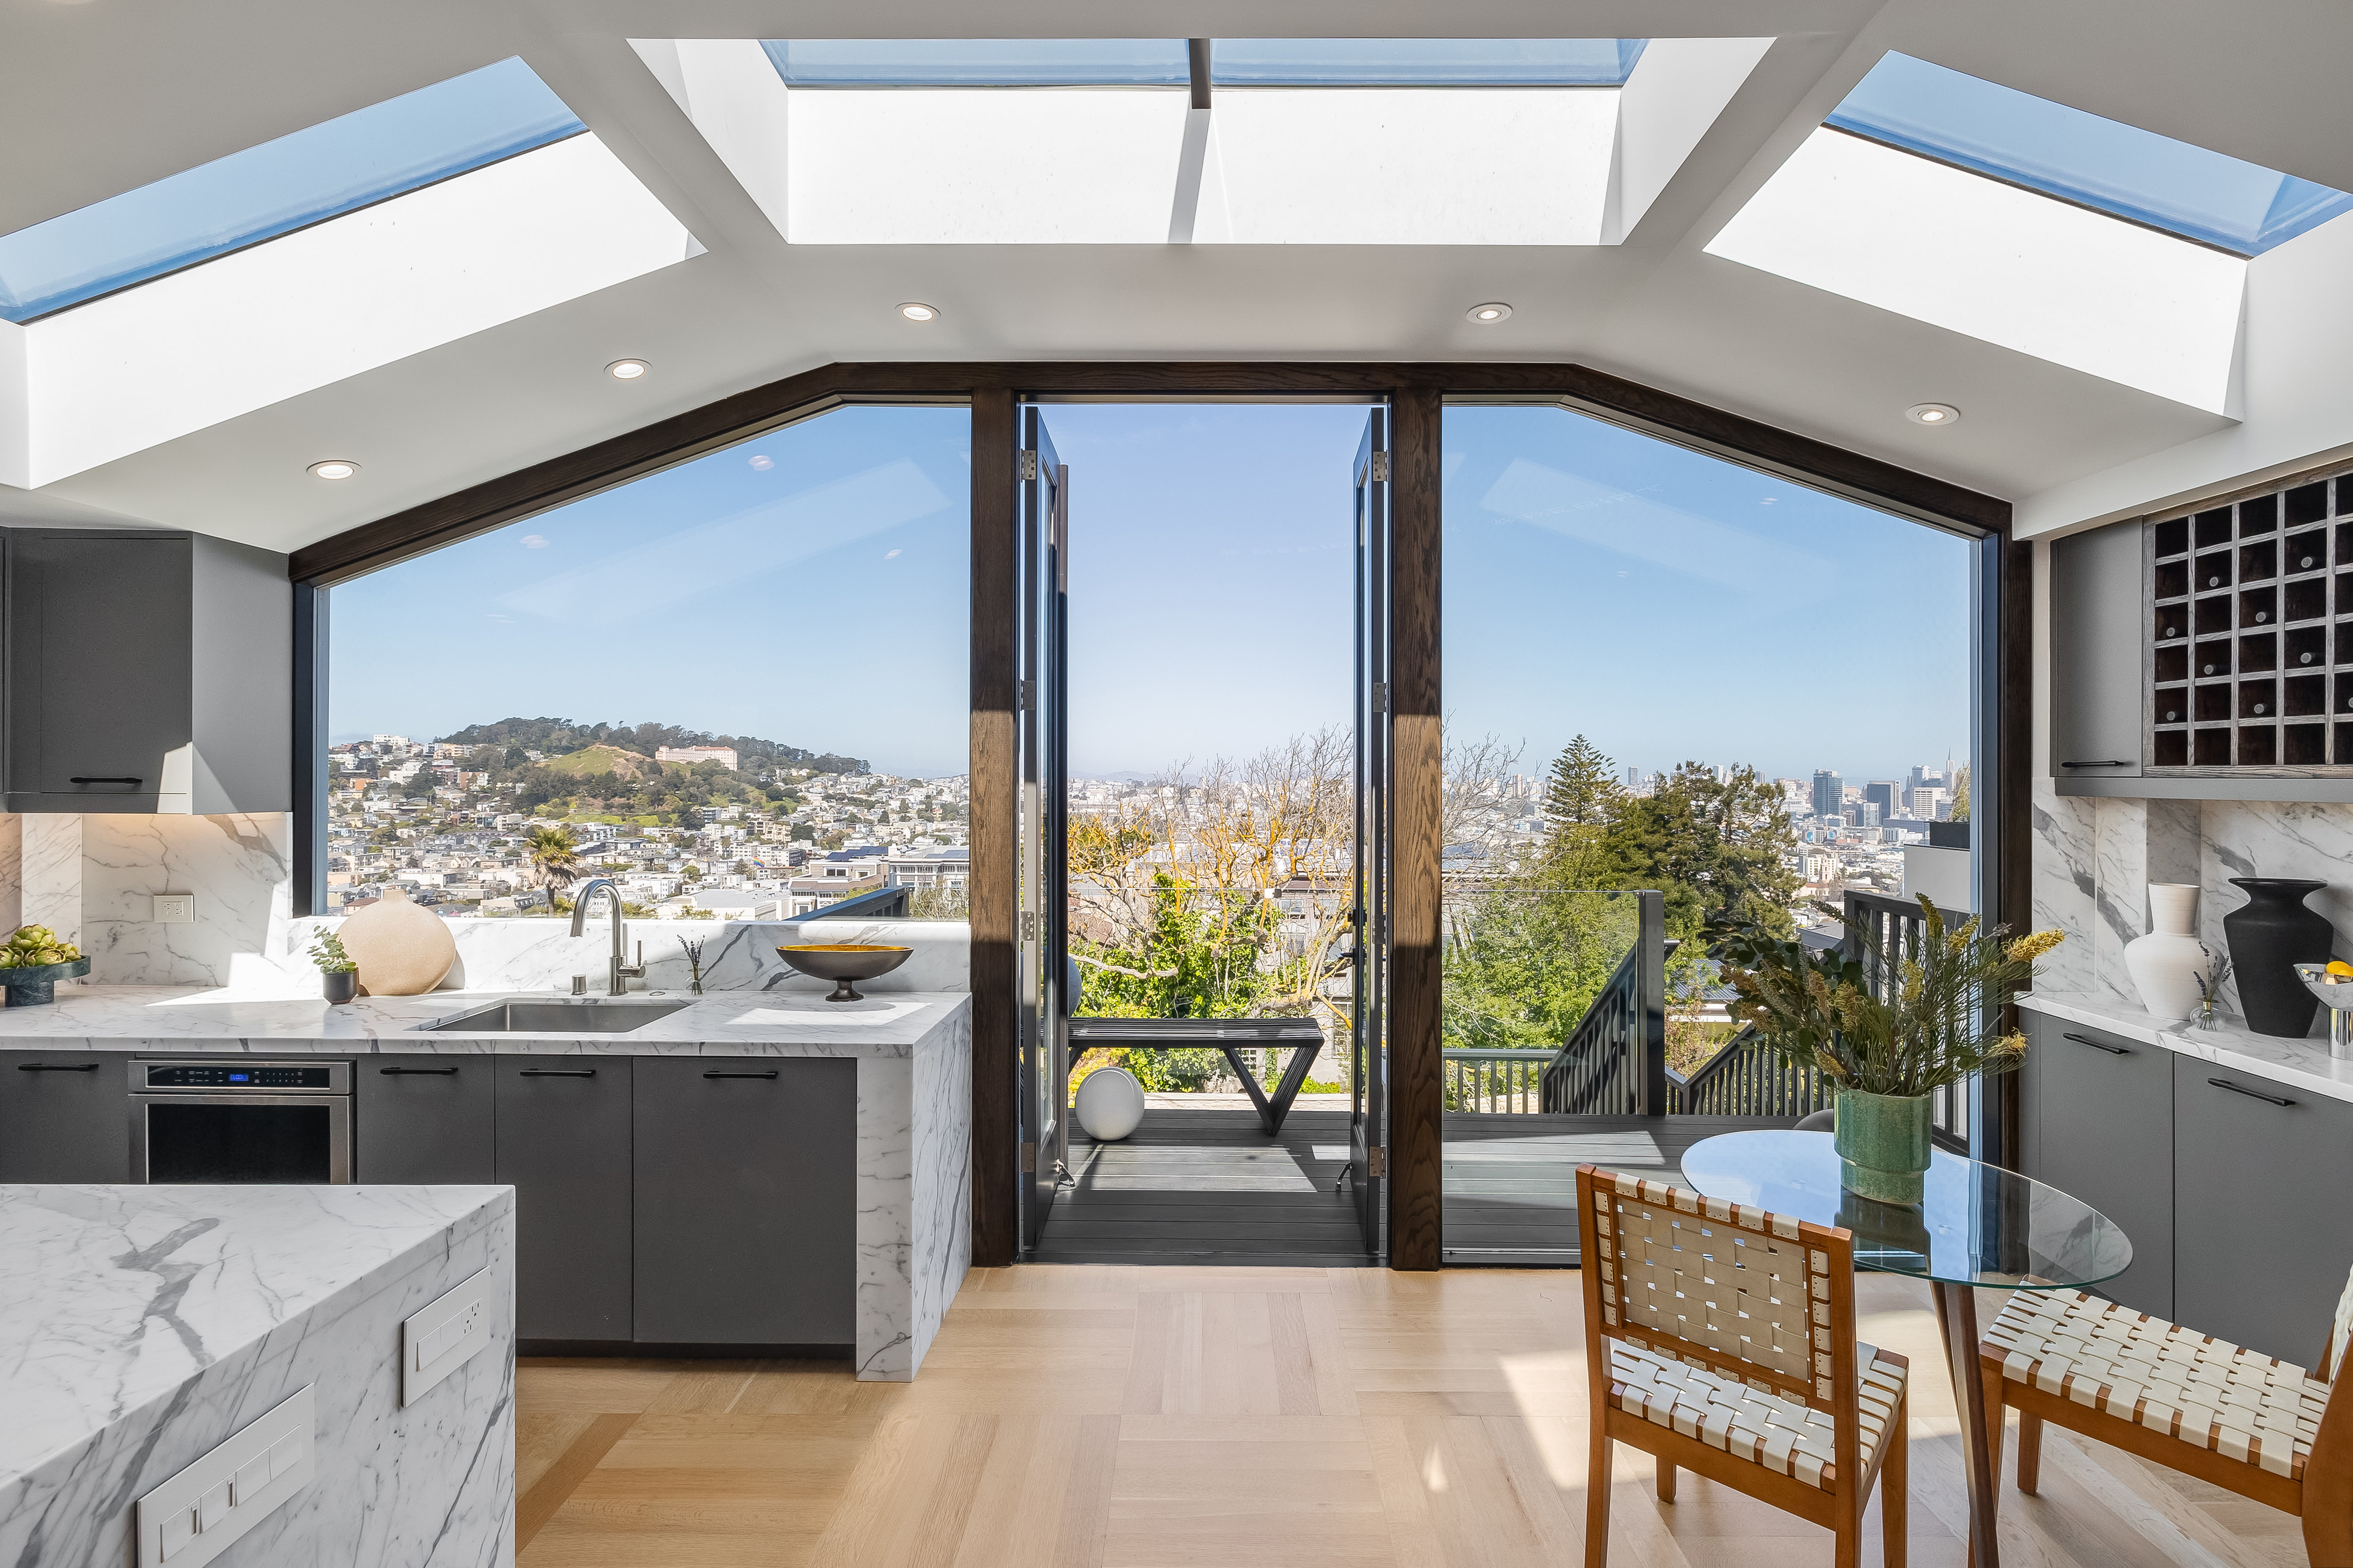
{"points": [[1720, 1339], [2262, 1428]]}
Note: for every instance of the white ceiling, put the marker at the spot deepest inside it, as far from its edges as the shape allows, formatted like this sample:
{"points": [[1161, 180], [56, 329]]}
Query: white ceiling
{"points": [[101, 95]]}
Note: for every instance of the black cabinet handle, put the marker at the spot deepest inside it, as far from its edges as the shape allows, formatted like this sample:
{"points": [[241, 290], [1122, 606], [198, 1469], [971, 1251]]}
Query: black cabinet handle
{"points": [[769, 1074], [554, 1072], [79, 779], [2097, 1045], [2113, 763], [2250, 1094], [56, 1067], [418, 1072]]}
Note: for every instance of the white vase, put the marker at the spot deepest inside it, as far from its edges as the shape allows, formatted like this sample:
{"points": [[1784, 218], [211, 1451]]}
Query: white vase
{"points": [[2166, 963]]}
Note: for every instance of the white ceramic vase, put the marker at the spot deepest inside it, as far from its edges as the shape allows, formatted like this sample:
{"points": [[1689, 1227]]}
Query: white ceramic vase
{"points": [[2165, 966]]}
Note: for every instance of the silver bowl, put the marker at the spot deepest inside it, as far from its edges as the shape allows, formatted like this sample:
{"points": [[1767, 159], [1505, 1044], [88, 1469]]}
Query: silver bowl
{"points": [[2337, 990], [843, 961]]}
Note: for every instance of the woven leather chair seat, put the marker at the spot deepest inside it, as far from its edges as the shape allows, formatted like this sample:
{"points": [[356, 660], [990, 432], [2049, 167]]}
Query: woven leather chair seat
{"points": [[1753, 1424]]}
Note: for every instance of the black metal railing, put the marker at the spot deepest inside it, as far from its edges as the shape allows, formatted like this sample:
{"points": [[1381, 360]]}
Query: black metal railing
{"points": [[1615, 1062], [882, 904]]}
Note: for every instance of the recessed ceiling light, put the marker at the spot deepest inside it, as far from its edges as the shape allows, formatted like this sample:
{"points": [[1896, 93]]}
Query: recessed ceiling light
{"points": [[916, 310], [626, 369], [334, 468], [1932, 413], [1488, 314]]}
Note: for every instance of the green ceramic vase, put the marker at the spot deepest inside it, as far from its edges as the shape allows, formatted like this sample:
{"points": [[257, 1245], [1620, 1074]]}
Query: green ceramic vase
{"points": [[1882, 1145]]}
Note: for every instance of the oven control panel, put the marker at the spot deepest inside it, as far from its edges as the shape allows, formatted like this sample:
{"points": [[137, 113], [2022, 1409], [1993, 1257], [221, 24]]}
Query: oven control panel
{"points": [[237, 1075]]}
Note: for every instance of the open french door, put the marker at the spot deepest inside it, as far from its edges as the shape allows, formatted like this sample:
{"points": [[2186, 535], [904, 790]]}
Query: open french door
{"points": [[1045, 515], [1367, 1013]]}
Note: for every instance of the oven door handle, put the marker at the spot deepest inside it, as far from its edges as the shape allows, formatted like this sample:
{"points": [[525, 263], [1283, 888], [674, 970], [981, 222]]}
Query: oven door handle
{"points": [[56, 1067]]}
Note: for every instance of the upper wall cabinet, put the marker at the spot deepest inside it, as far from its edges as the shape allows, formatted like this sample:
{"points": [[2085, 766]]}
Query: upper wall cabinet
{"points": [[146, 672], [2208, 655]]}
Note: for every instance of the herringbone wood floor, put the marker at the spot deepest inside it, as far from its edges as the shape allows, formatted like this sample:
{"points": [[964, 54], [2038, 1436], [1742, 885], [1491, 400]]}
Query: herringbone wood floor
{"points": [[1132, 1417]]}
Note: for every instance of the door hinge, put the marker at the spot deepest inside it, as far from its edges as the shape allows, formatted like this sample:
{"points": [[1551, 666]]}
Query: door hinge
{"points": [[1381, 696], [1380, 469], [1377, 1163], [1028, 925], [1030, 1157], [1029, 463], [1025, 696]]}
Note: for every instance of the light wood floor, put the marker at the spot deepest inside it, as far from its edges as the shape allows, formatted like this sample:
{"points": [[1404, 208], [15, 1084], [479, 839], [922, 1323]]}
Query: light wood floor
{"points": [[1071, 1416]]}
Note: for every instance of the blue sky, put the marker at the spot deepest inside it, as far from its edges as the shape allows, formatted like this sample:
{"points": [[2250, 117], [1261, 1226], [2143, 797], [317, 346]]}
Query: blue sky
{"points": [[810, 586]]}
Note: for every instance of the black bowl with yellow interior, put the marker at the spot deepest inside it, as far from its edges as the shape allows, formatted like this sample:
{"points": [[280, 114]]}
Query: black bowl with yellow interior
{"points": [[843, 961]]}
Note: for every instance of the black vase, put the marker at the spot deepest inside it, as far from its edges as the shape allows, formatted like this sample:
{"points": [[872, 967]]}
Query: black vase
{"points": [[2273, 931]]}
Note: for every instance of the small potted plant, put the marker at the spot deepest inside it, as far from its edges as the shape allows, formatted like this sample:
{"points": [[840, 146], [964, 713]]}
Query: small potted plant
{"points": [[339, 971], [1884, 1049]]}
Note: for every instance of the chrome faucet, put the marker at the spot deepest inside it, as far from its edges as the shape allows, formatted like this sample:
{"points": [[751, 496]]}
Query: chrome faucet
{"points": [[622, 973]]}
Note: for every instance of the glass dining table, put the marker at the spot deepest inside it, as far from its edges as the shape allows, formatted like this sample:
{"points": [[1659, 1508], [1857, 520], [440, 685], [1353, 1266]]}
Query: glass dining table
{"points": [[1977, 1224]]}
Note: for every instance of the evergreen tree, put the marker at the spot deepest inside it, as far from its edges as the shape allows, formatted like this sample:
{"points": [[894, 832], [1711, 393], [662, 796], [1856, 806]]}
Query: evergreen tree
{"points": [[1580, 798], [1714, 846]]}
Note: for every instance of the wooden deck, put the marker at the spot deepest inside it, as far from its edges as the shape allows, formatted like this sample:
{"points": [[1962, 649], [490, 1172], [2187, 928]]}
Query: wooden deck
{"points": [[1204, 1186]]}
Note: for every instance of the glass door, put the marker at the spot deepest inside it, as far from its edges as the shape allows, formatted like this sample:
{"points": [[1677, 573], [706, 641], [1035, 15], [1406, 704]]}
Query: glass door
{"points": [[1368, 981], [1045, 794]]}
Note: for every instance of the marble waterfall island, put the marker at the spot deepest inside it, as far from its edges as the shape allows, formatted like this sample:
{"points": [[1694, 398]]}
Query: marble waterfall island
{"points": [[142, 1328]]}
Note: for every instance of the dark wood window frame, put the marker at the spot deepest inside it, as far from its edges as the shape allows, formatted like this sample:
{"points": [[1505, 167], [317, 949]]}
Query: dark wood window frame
{"points": [[1418, 394]]}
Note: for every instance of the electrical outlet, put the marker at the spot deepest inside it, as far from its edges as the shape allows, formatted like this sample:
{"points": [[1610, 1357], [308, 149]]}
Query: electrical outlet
{"points": [[175, 909], [438, 1338], [193, 1518]]}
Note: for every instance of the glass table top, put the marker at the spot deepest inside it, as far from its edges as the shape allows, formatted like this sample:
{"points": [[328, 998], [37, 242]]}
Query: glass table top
{"points": [[1977, 1225]]}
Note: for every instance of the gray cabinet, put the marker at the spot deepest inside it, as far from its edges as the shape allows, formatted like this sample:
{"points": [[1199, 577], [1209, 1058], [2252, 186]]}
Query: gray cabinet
{"points": [[746, 1209], [2096, 607], [421, 1120], [146, 672], [2098, 1124], [2262, 1243], [564, 1145], [65, 1116]]}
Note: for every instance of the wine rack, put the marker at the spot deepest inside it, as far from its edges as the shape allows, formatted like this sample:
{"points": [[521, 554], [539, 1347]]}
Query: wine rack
{"points": [[2248, 661]]}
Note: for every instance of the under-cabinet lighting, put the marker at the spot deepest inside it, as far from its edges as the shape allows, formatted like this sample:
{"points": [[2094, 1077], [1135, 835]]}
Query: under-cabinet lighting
{"points": [[1932, 413], [334, 468], [1488, 314], [626, 369], [916, 310]]}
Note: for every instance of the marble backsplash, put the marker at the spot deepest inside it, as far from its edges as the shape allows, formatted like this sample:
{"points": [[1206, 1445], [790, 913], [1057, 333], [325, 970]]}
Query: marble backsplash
{"points": [[2094, 860]]}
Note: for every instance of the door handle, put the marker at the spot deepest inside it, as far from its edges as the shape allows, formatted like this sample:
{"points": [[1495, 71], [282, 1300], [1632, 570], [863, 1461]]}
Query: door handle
{"points": [[418, 1072], [79, 779], [2113, 763], [56, 1067], [2097, 1045], [770, 1074], [2250, 1094], [553, 1073]]}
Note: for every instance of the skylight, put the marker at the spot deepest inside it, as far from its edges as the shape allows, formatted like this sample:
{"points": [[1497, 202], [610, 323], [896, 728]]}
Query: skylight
{"points": [[2102, 164], [979, 62], [1423, 62], [351, 161]]}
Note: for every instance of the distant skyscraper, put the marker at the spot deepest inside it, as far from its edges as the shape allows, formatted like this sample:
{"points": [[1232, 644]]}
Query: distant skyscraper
{"points": [[1830, 793], [1867, 815], [1880, 793]]}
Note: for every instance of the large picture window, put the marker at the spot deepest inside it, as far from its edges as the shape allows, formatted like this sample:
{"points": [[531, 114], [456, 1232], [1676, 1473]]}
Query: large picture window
{"points": [[738, 686]]}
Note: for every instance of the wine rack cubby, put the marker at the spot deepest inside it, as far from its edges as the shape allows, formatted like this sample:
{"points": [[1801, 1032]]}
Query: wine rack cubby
{"points": [[2248, 661]]}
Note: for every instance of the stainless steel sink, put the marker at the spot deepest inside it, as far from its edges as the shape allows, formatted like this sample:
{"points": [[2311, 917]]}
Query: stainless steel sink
{"points": [[559, 1016]]}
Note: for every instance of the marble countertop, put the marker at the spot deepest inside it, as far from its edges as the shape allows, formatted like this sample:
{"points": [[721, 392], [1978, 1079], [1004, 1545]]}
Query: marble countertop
{"points": [[111, 1298], [2298, 1064], [721, 1023]]}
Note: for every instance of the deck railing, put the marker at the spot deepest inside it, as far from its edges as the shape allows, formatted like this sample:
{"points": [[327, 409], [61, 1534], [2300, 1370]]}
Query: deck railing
{"points": [[882, 904], [1615, 1062], [1496, 1081]]}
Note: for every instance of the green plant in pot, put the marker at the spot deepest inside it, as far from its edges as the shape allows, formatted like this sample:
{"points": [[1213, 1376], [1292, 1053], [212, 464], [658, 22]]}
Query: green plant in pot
{"points": [[339, 971], [1885, 1049]]}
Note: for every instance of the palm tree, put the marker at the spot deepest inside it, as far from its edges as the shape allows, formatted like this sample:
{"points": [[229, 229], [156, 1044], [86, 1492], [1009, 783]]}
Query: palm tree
{"points": [[555, 856]]}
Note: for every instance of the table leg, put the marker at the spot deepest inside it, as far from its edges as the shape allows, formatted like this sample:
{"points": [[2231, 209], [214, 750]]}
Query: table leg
{"points": [[1294, 1076], [1956, 1321], [1266, 1114]]}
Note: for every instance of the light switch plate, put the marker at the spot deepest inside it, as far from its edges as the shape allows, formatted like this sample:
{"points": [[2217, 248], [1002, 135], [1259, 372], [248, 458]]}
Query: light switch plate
{"points": [[193, 1518], [437, 1340], [175, 909]]}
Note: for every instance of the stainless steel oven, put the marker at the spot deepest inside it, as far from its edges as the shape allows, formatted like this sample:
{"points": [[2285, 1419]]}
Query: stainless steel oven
{"points": [[202, 1120]]}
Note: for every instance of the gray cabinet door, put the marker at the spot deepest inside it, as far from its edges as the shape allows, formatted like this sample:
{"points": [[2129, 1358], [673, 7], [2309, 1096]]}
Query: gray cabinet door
{"points": [[65, 1116], [98, 650], [422, 1120], [2096, 641], [2259, 1198], [746, 1201], [564, 1146], [2098, 1115]]}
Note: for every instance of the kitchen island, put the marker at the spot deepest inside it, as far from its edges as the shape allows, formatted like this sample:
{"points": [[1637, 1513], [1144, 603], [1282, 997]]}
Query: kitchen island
{"points": [[142, 1328], [664, 1174]]}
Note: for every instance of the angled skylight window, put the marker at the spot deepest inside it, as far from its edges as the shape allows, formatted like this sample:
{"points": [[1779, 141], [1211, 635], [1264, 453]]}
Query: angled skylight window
{"points": [[980, 62], [352, 161], [2098, 163], [1423, 62]]}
